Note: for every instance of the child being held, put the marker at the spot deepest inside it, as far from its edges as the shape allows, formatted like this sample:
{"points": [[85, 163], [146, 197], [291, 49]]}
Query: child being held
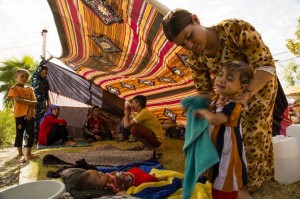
{"points": [[230, 174]]}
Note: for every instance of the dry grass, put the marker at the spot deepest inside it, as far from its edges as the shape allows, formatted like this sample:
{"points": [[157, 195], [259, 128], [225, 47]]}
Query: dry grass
{"points": [[173, 159]]}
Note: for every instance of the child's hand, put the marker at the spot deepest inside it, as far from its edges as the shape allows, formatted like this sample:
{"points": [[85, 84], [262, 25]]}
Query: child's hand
{"points": [[29, 116], [121, 193], [201, 113]]}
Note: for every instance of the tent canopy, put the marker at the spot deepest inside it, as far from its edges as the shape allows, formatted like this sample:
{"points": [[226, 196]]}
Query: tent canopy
{"points": [[119, 45]]}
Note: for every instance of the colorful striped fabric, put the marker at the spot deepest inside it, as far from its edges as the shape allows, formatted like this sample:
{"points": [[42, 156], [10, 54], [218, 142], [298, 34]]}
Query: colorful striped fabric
{"points": [[120, 46]]}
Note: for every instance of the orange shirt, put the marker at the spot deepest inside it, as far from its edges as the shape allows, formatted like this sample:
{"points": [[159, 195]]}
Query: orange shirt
{"points": [[23, 93]]}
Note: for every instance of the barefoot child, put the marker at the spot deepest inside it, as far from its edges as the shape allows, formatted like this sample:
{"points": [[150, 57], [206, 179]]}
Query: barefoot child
{"points": [[24, 105]]}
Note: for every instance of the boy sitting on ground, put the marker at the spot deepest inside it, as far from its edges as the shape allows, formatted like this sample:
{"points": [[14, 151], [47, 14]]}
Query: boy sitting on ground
{"points": [[96, 128]]}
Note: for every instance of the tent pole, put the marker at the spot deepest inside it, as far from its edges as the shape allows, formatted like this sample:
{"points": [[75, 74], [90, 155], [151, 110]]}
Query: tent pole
{"points": [[161, 8]]}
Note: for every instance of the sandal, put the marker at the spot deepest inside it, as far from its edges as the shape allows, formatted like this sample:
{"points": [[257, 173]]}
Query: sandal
{"points": [[22, 159]]}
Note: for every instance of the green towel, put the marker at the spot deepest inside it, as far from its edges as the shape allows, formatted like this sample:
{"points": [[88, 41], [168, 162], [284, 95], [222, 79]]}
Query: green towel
{"points": [[199, 150]]}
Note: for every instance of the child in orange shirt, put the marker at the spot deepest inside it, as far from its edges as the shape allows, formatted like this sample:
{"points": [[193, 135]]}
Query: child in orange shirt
{"points": [[24, 105]]}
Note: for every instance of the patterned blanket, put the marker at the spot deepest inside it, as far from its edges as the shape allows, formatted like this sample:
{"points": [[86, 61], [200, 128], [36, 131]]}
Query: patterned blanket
{"points": [[108, 156]]}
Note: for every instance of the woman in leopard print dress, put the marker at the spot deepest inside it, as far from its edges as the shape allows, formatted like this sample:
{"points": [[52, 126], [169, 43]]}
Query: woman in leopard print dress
{"points": [[233, 39]]}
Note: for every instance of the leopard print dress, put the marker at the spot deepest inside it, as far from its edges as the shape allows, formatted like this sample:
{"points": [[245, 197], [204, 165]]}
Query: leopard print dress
{"points": [[240, 41]]}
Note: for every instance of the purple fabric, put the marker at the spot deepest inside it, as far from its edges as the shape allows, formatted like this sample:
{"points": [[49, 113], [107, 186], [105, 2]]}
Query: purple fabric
{"points": [[49, 112]]}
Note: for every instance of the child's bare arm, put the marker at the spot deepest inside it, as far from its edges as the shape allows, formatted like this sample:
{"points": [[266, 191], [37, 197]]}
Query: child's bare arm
{"points": [[25, 101], [212, 118], [30, 113], [121, 193]]}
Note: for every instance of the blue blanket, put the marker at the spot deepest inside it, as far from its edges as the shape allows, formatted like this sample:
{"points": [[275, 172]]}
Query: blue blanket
{"points": [[144, 165]]}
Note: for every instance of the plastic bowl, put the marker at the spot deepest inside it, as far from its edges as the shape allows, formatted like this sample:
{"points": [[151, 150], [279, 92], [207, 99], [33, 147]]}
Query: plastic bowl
{"points": [[44, 189]]}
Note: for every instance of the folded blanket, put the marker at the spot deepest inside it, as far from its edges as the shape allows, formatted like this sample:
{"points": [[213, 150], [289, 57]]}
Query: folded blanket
{"points": [[169, 186]]}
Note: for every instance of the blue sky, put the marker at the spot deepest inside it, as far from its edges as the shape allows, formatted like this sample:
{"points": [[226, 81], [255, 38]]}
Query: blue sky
{"points": [[276, 20]]}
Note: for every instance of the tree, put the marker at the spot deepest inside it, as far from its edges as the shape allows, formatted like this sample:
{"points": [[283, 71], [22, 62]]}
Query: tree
{"points": [[291, 73], [294, 44], [8, 71]]}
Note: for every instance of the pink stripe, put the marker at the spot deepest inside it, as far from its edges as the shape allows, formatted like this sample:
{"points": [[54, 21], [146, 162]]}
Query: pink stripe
{"points": [[164, 103], [73, 12], [161, 56]]}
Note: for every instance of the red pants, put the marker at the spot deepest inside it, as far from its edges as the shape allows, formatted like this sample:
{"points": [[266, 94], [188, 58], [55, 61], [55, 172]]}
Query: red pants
{"points": [[216, 194], [141, 176]]}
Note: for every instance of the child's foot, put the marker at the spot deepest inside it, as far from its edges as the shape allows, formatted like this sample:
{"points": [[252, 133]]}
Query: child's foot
{"points": [[132, 139], [70, 143], [22, 159]]}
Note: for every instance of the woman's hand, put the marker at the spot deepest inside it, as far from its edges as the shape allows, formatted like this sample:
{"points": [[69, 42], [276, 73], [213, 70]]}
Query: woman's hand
{"points": [[240, 98]]}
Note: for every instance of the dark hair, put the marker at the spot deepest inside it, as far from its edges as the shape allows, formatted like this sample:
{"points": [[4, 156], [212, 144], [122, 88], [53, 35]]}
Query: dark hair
{"points": [[41, 68], [95, 107], [175, 21], [141, 99], [246, 72]]}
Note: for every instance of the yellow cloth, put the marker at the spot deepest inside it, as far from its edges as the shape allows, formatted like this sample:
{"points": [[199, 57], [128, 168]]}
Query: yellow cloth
{"points": [[147, 119], [201, 191]]}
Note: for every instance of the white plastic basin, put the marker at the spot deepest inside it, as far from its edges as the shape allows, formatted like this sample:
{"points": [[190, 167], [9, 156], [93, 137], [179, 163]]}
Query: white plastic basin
{"points": [[44, 189]]}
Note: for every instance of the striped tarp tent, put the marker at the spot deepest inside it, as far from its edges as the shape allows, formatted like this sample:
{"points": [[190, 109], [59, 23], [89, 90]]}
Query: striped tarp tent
{"points": [[119, 45]]}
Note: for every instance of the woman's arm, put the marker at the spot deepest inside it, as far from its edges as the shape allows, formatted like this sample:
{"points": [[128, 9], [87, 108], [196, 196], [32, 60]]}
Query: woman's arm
{"points": [[200, 75], [257, 54], [259, 81], [54, 120]]}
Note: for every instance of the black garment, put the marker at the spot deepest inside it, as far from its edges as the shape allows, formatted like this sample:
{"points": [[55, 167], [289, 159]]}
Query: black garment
{"points": [[281, 104], [57, 133], [125, 132], [21, 126]]}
